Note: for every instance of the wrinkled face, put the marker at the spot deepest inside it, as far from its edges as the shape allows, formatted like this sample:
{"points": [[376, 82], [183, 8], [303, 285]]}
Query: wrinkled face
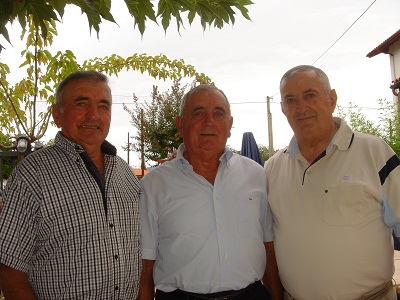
{"points": [[307, 105], [206, 123], [85, 115]]}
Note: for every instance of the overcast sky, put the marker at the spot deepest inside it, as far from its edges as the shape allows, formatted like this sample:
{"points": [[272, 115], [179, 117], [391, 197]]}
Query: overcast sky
{"points": [[246, 60]]}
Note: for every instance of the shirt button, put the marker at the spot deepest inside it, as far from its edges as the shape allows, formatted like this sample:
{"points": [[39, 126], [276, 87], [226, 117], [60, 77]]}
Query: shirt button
{"points": [[116, 256], [308, 172], [116, 288], [225, 256], [111, 225]]}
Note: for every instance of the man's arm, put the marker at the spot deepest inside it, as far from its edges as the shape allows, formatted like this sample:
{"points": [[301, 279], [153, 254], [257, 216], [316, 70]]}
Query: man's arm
{"points": [[271, 278], [15, 284], [146, 284]]}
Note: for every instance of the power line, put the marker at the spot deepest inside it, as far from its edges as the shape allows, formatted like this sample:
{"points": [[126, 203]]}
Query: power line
{"points": [[234, 103], [338, 38], [344, 33]]}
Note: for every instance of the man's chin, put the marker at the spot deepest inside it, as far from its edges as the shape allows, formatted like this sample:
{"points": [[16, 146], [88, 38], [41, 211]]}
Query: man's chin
{"points": [[212, 148]]}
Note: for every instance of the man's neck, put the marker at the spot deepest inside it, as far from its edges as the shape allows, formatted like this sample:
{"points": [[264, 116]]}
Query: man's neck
{"points": [[312, 147], [204, 165], [97, 157]]}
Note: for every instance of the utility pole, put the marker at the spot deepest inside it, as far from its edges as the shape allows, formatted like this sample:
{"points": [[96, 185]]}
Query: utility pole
{"points": [[270, 137], [142, 140], [129, 148]]}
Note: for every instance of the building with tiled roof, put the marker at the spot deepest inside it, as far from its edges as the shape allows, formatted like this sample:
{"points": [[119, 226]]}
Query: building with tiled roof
{"points": [[391, 46], [139, 172]]}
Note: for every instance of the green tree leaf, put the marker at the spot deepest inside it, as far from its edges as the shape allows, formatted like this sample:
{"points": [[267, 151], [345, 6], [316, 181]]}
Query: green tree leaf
{"points": [[44, 70], [210, 12], [155, 123]]}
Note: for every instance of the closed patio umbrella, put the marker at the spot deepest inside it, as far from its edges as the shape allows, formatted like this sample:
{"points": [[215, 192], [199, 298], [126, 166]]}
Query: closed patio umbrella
{"points": [[250, 148]]}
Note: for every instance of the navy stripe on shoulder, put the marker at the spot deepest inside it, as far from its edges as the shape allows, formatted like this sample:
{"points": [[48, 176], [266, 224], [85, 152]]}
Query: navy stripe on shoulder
{"points": [[391, 164]]}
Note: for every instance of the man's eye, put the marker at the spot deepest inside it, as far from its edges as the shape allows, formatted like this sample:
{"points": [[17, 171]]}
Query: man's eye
{"points": [[290, 100], [310, 96], [198, 115], [219, 114]]}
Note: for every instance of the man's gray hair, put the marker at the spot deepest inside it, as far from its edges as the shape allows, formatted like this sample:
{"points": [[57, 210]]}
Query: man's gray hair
{"points": [[324, 78], [201, 87], [91, 75]]}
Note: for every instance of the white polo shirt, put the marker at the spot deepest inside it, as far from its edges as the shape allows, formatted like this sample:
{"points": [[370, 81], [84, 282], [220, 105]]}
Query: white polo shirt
{"points": [[332, 239]]}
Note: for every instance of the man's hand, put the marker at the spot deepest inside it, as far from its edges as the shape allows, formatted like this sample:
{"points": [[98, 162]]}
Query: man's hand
{"points": [[146, 285], [15, 284]]}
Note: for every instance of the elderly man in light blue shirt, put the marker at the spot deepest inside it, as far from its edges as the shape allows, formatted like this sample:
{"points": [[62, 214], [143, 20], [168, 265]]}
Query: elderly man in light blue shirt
{"points": [[206, 223]]}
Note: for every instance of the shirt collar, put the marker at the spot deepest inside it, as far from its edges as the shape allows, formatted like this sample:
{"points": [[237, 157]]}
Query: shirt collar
{"points": [[342, 139], [181, 160], [74, 148]]}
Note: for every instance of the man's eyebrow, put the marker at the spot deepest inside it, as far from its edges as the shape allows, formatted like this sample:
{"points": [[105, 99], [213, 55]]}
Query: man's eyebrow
{"points": [[196, 108], [309, 91], [79, 98], [304, 92], [107, 101], [288, 96], [220, 108]]}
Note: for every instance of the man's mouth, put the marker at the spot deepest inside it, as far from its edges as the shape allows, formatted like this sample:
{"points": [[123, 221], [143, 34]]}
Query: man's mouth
{"points": [[209, 134], [89, 127], [301, 118]]}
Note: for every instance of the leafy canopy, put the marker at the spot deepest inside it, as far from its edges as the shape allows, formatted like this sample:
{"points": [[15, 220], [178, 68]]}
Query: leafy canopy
{"points": [[20, 112], [211, 12]]}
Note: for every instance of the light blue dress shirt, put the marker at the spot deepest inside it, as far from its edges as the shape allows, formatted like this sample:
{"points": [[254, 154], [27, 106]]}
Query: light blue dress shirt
{"points": [[205, 238]]}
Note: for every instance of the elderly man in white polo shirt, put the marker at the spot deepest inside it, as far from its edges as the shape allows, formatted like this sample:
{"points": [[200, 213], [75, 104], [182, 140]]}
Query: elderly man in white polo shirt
{"points": [[334, 196]]}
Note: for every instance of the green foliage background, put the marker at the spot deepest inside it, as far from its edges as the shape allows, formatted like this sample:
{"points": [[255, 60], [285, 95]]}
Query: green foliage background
{"points": [[387, 127], [157, 131]]}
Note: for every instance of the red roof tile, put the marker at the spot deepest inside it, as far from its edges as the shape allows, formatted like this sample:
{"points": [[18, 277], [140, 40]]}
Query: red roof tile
{"points": [[384, 47], [138, 172]]}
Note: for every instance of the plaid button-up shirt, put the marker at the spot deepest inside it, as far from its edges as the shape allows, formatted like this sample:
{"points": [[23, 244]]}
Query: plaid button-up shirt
{"points": [[74, 237]]}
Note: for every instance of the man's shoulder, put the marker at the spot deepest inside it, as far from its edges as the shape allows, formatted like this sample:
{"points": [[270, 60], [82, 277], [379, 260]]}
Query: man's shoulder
{"points": [[278, 157], [279, 154], [367, 137], [369, 140], [46, 154], [122, 167], [238, 160], [120, 161], [165, 172]]}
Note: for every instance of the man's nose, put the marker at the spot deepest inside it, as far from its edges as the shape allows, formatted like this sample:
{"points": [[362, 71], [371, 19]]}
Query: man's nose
{"points": [[92, 112], [209, 118], [301, 104]]}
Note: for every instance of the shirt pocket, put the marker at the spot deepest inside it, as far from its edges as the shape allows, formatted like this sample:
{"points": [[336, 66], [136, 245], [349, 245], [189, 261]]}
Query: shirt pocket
{"points": [[349, 205], [249, 216]]}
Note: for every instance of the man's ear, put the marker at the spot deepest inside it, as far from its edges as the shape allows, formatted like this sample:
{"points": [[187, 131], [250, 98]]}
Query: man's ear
{"points": [[178, 122], [56, 113], [333, 99], [283, 109], [230, 126]]}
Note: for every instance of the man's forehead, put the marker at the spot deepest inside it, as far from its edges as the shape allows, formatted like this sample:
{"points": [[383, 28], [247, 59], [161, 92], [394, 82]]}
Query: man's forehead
{"points": [[85, 89], [302, 91], [207, 97], [300, 85], [209, 104]]}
